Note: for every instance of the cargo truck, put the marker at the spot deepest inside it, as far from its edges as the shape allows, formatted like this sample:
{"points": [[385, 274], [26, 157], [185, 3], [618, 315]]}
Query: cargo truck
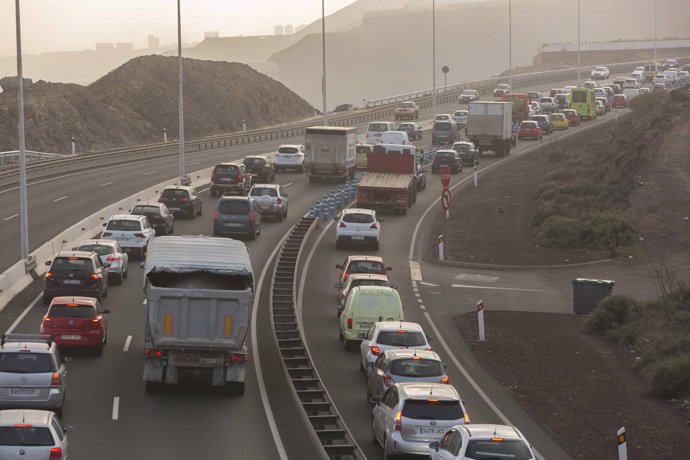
{"points": [[199, 291], [520, 103], [392, 179], [489, 126], [330, 152]]}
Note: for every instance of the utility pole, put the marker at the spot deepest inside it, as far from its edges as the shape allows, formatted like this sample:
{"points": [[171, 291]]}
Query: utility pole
{"points": [[181, 95], [323, 52], [23, 209], [433, 53]]}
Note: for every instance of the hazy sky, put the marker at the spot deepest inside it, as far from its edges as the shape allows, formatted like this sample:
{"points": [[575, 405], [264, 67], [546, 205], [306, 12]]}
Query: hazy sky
{"points": [[58, 25]]}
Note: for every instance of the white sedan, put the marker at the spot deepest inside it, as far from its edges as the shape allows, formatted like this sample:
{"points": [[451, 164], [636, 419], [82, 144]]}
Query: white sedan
{"points": [[356, 225]]}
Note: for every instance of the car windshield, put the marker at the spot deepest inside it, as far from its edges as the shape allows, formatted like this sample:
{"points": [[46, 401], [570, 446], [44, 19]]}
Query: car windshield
{"points": [[357, 218], [259, 191], [366, 266], [432, 409], [233, 207], [443, 126], [401, 338], [100, 249], [505, 448], [141, 210], [25, 363], [175, 193], [410, 367], [71, 264], [378, 126], [26, 436], [407, 105], [74, 311], [124, 225]]}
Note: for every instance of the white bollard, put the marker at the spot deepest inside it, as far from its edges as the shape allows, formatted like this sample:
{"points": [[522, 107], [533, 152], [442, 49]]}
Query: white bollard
{"points": [[480, 318], [440, 247], [475, 176], [622, 445], [244, 125], [165, 136], [74, 146]]}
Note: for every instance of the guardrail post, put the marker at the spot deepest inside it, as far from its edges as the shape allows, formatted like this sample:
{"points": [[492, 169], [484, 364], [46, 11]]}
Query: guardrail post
{"points": [[331, 205], [353, 189], [338, 198], [324, 210]]}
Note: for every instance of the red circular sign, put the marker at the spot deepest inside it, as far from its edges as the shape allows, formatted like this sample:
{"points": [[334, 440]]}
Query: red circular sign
{"points": [[445, 176], [445, 199]]}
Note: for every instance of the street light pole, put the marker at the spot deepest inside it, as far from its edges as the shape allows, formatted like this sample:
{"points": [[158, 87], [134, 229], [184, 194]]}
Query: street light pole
{"points": [[655, 31], [510, 44], [24, 219], [323, 52], [578, 42], [181, 96], [433, 54]]}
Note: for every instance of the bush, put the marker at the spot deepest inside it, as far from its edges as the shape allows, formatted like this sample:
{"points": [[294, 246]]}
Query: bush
{"points": [[612, 312], [643, 101], [608, 229], [669, 378], [558, 231]]}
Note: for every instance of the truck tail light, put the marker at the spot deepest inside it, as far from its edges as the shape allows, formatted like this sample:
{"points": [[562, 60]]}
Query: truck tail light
{"points": [[153, 353], [401, 197]]}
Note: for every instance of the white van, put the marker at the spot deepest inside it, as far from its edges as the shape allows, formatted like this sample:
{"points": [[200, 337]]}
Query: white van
{"points": [[395, 137], [671, 77], [376, 129], [650, 70]]}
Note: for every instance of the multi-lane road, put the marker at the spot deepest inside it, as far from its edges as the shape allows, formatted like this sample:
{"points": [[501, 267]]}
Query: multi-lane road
{"points": [[114, 418]]}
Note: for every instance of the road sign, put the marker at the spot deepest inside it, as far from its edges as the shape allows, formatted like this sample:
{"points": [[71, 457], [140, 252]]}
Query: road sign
{"points": [[445, 199], [445, 176]]}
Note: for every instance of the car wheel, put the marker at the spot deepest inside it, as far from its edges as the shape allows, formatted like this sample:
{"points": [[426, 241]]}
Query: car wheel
{"points": [[362, 370], [142, 253], [98, 350], [200, 209], [285, 213], [386, 454], [234, 388], [346, 344], [172, 229], [117, 278], [373, 432]]}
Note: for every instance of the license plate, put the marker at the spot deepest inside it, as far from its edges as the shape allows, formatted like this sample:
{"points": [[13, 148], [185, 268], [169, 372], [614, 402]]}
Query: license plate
{"points": [[210, 361], [233, 224], [360, 336], [70, 337], [23, 392], [226, 179], [71, 281], [173, 209], [357, 237], [364, 325], [433, 430]]}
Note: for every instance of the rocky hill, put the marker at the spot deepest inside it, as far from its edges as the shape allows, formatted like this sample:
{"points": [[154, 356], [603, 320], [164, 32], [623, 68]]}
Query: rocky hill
{"points": [[132, 104]]}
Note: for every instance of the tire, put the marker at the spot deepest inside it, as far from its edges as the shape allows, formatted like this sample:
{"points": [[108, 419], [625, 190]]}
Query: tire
{"points": [[142, 253], [311, 179], [362, 370], [280, 217], [251, 235], [346, 345], [172, 229], [58, 412], [201, 207], [163, 231], [301, 169], [46, 299], [117, 278], [373, 432], [98, 350], [105, 293]]}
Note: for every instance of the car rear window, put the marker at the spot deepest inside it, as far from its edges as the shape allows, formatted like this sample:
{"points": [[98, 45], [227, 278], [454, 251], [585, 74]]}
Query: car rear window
{"points": [[487, 449], [445, 154], [356, 283], [407, 105], [461, 148], [528, 125], [141, 210], [378, 127], [66, 311], [225, 170], [401, 339], [26, 363], [410, 367], [254, 162], [432, 409], [289, 149], [405, 126], [258, 191], [366, 266], [124, 225], [175, 193], [73, 264], [356, 218], [100, 249], [233, 207], [443, 126], [26, 436]]}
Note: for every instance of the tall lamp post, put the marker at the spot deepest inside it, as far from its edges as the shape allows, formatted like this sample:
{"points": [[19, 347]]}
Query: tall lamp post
{"points": [[433, 54], [578, 42], [655, 31], [323, 53], [181, 96], [24, 219], [510, 44]]}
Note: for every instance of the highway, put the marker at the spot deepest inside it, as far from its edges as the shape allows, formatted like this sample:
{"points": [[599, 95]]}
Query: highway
{"points": [[112, 415]]}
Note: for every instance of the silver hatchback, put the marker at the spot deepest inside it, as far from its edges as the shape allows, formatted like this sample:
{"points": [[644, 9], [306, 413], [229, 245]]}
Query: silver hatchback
{"points": [[32, 435], [32, 373], [404, 365]]}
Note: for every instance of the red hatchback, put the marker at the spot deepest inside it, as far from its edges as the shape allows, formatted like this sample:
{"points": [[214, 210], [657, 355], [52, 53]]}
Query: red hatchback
{"points": [[619, 101], [77, 322], [529, 129], [572, 116]]}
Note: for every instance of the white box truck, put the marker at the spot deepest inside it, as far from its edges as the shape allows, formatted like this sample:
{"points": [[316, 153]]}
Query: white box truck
{"points": [[489, 126], [199, 291], [331, 152]]}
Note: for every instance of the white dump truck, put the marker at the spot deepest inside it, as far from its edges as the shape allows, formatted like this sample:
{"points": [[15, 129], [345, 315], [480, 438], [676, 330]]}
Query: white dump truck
{"points": [[199, 291]]}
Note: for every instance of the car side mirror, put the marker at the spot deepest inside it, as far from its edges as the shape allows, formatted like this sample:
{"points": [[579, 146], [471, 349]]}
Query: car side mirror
{"points": [[375, 400], [380, 221], [338, 266], [434, 445], [67, 428], [104, 224], [389, 269], [141, 264], [48, 262], [394, 286], [106, 310], [338, 285], [429, 339]]}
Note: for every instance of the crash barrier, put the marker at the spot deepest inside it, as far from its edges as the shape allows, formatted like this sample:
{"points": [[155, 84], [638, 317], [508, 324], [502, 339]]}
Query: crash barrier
{"points": [[16, 278], [377, 109], [334, 201], [325, 427]]}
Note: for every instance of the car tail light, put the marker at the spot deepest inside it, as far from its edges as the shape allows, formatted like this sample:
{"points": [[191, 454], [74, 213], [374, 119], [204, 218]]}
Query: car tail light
{"points": [[375, 350], [445, 380], [396, 420], [106, 233], [466, 416], [154, 353], [374, 225], [96, 322], [388, 381], [56, 381], [215, 215], [214, 177], [162, 199], [49, 274], [240, 177], [113, 258], [140, 235], [94, 276], [401, 197], [184, 200], [55, 453], [252, 216], [342, 225], [349, 323]]}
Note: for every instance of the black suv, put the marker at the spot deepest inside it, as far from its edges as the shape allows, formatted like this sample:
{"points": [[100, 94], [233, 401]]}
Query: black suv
{"points": [[77, 273], [229, 178], [162, 220], [260, 167]]}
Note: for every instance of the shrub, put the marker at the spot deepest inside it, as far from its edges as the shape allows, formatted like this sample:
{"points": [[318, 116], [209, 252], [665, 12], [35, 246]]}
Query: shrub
{"points": [[559, 231], [612, 312], [608, 229], [670, 377], [643, 101]]}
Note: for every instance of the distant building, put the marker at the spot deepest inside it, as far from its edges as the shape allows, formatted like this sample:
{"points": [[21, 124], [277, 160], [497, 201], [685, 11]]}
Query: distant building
{"points": [[288, 30], [278, 30], [211, 34], [105, 47], [124, 46], [154, 42]]}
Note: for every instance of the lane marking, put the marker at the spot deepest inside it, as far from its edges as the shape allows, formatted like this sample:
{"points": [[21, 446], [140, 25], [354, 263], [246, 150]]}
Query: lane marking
{"points": [[11, 217], [193, 164], [127, 342], [116, 407], [287, 185], [60, 199], [24, 313], [107, 183], [150, 172], [494, 287], [471, 277], [415, 270], [424, 283], [143, 302]]}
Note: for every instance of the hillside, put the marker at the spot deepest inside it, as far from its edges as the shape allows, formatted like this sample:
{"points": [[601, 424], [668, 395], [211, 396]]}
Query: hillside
{"points": [[132, 104]]}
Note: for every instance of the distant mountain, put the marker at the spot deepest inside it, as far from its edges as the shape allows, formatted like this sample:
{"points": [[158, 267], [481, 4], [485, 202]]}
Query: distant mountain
{"points": [[132, 104]]}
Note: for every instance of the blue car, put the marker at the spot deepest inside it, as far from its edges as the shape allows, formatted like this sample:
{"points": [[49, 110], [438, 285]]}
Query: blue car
{"points": [[413, 130], [544, 123]]}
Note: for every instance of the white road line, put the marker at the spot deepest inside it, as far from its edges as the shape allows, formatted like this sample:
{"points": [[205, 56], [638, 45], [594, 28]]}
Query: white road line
{"points": [[192, 164], [60, 199], [494, 287], [415, 270], [422, 307], [107, 183], [143, 302], [24, 313], [287, 185], [150, 172], [116, 407], [127, 342], [420, 300], [423, 283], [11, 217]]}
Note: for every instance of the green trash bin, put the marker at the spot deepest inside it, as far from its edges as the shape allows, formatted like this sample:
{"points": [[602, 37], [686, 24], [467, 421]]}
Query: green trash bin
{"points": [[587, 293]]}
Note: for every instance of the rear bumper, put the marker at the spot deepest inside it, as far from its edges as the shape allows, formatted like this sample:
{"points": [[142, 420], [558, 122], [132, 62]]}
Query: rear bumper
{"points": [[401, 446], [86, 339], [51, 292], [228, 188], [227, 231], [54, 401]]}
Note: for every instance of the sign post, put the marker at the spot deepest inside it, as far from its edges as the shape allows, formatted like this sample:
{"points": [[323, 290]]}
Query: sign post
{"points": [[480, 317], [475, 174], [622, 445]]}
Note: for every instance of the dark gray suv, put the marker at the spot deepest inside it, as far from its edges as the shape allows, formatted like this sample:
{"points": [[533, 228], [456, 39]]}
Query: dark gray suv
{"points": [[78, 273], [237, 215]]}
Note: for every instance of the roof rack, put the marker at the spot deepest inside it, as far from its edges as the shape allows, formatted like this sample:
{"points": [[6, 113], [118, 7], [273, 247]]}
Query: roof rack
{"points": [[45, 338]]}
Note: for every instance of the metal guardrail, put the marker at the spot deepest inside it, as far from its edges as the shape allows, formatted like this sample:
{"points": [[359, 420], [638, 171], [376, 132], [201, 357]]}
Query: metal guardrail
{"points": [[326, 427], [12, 156]]}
